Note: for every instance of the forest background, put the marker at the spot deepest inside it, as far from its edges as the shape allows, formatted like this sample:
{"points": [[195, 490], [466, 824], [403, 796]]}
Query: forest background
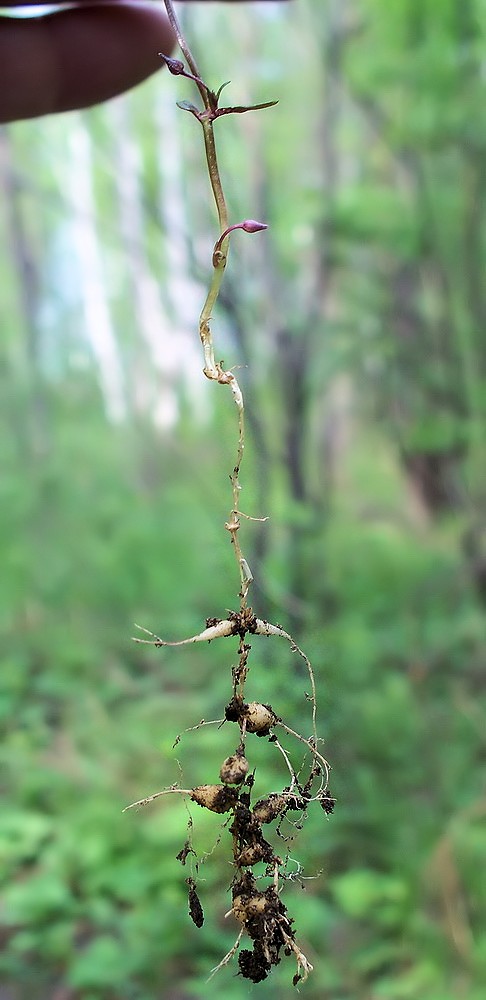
{"points": [[359, 319]]}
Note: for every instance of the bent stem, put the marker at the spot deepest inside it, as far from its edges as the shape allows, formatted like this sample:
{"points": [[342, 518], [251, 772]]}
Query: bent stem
{"points": [[212, 368]]}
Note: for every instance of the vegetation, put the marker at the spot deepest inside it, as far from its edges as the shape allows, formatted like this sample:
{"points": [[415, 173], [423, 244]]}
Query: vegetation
{"points": [[360, 317]]}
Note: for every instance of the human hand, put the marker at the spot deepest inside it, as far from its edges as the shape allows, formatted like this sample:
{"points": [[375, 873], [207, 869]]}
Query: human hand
{"points": [[78, 56]]}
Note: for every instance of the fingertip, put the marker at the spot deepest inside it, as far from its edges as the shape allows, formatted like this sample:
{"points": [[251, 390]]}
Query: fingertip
{"points": [[77, 58]]}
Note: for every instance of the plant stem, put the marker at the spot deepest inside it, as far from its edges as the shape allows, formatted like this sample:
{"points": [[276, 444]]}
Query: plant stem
{"points": [[212, 368], [220, 263], [191, 62], [213, 169]]}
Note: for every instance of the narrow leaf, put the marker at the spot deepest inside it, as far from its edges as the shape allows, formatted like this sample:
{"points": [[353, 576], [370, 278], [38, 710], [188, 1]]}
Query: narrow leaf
{"points": [[219, 92], [187, 106], [240, 109]]}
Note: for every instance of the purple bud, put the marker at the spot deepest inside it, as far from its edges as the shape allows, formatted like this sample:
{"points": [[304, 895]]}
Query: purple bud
{"points": [[175, 66], [252, 226], [249, 226]]}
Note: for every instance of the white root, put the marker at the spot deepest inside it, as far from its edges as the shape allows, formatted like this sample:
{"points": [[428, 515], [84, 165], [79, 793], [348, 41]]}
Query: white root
{"points": [[227, 958], [266, 628], [156, 795], [219, 631], [304, 967]]}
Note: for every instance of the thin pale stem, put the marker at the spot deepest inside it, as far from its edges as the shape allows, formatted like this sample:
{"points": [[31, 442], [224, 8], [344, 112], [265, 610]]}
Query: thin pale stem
{"points": [[191, 62], [210, 368], [233, 524], [213, 369]]}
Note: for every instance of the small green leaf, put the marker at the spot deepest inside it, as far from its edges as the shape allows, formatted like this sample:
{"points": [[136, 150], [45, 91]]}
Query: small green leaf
{"points": [[240, 109], [187, 106], [220, 90]]}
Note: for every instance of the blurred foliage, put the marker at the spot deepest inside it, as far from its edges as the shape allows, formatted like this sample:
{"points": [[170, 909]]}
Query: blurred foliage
{"points": [[361, 319]]}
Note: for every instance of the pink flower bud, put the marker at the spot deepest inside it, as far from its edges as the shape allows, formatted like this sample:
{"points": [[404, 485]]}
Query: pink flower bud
{"points": [[249, 226], [252, 226]]}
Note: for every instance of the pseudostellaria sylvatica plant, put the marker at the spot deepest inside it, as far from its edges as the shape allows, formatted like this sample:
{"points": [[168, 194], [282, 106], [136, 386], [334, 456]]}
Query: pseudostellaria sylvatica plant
{"points": [[259, 869]]}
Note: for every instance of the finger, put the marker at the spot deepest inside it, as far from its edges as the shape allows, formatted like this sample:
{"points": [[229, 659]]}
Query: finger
{"points": [[42, 3], [78, 57]]}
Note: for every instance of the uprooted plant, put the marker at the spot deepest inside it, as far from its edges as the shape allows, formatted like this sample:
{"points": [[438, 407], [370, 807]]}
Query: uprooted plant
{"points": [[259, 871]]}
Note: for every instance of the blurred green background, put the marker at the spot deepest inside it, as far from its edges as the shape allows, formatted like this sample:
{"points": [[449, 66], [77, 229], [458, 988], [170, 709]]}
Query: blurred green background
{"points": [[360, 321]]}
